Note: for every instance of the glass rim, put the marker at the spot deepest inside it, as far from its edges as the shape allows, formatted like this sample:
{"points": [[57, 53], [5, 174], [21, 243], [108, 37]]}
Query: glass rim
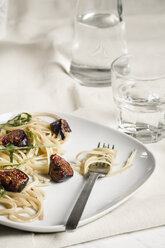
{"points": [[134, 77]]}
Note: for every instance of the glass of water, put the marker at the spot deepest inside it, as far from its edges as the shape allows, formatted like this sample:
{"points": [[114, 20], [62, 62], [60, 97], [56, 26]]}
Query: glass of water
{"points": [[99, 38], [138, 85]]}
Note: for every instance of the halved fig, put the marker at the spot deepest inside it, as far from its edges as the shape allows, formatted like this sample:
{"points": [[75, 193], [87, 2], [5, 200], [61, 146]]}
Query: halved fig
{"points": [[17, 138], [59, 169], [13, 180], [60, 127]]}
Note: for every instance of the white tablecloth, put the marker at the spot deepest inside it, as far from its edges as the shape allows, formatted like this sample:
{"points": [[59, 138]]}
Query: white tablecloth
{"points": [[34, 65]]}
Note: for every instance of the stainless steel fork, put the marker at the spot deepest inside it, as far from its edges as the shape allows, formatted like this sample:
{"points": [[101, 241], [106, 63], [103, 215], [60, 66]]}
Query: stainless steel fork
{"points": [[95, 171]]}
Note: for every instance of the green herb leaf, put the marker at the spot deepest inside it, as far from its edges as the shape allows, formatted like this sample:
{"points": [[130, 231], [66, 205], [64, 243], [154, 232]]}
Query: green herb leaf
{"points": [[14, 148], [35, 137], [11, 156], [31, 134], [11, 151], [17, 165], [2, 191], [8, 131], [19, 120], [10, 146]]}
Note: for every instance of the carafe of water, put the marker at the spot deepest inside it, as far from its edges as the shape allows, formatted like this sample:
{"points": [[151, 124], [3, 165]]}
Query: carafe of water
{"points": [[99, 38]]}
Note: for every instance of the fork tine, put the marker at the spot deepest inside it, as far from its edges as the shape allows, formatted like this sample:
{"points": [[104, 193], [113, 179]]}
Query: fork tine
{"points": [[104, 145]]}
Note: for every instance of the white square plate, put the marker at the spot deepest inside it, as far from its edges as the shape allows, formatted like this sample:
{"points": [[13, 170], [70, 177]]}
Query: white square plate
{"points": [[107, 194]]}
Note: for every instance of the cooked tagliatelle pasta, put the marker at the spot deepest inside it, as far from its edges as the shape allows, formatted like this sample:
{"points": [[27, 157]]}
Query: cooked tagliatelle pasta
{"points": [[33, 160], [104, 155]]}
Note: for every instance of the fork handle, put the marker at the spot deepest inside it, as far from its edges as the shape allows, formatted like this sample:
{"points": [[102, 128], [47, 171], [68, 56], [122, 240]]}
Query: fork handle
{"points": [[79, 206]]}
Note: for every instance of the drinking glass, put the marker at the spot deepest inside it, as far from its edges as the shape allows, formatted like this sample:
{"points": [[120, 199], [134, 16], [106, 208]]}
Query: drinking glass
{"points": [[138, 85], [99, 38]]}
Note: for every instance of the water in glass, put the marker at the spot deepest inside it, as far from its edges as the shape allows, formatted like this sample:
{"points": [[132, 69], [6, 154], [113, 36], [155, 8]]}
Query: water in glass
{"points": [[99, 39], [140, 102]]}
